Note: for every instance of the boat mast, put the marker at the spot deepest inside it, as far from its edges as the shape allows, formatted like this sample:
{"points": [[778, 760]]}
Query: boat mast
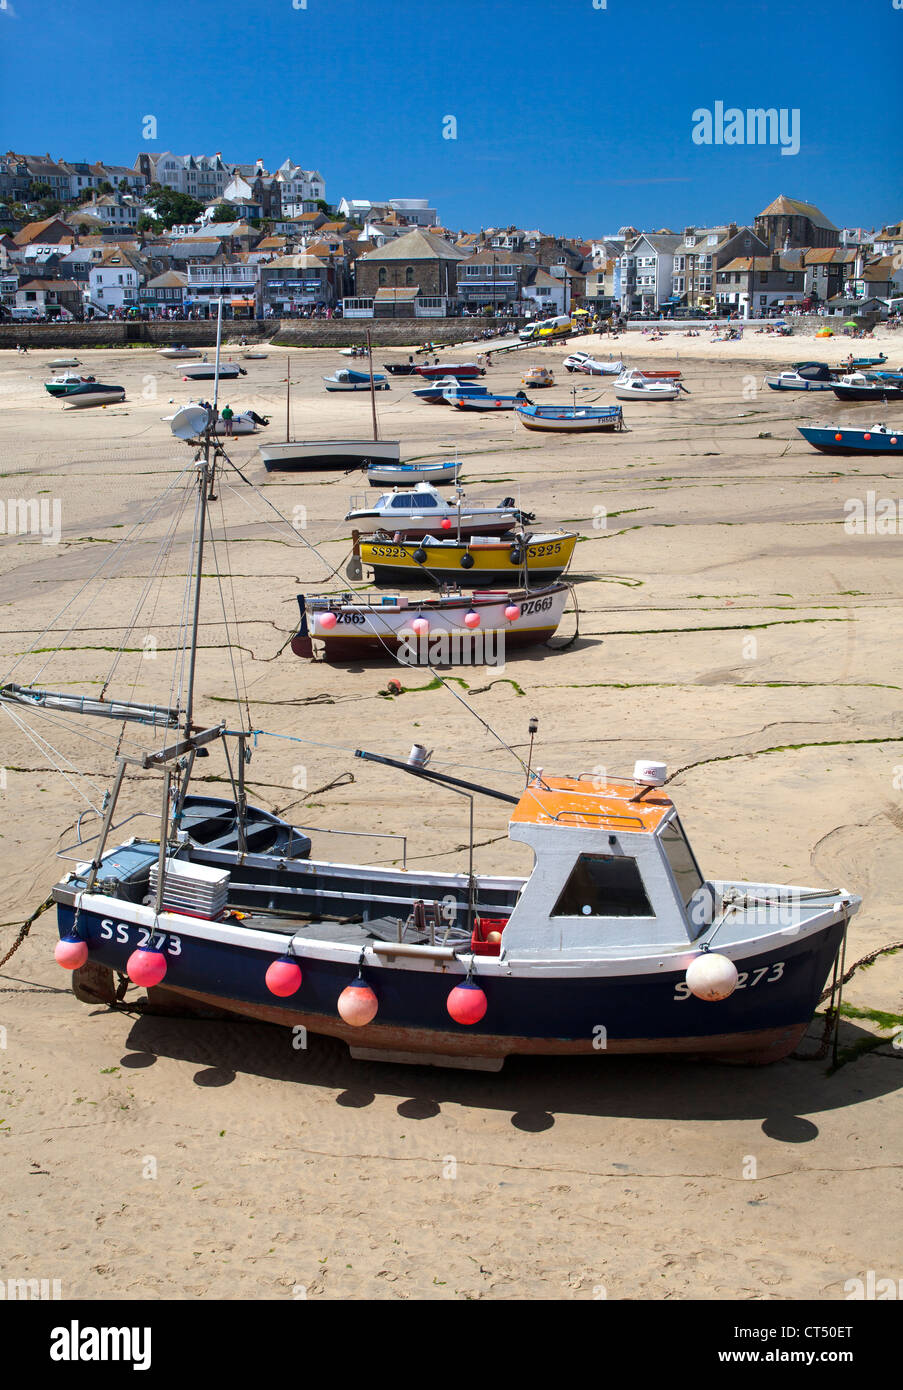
{"points": [[197, 558], [288, 400], [372, 386]]}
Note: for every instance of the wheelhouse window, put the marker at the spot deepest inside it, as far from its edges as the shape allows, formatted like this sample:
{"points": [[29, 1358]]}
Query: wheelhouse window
{"points": [[603, 885], [680, 857]]}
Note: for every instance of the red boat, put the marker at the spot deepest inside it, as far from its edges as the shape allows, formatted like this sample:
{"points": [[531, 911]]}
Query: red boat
{"points": [[461, 370]]}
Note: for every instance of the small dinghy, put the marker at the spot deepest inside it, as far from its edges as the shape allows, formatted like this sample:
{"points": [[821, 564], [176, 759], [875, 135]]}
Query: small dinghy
{"points": [[255, 356], [829, 439], [631, 386], [571, 419], [57, 363], [401, 368], [480, 560], [347, 380], [795, 381], [411, 513], [404, 474], [446, 629]]}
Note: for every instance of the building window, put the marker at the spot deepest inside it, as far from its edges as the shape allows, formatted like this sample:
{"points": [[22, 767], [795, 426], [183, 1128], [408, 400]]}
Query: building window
{"points": [[603, 885], [409, 275], [383, 275]]}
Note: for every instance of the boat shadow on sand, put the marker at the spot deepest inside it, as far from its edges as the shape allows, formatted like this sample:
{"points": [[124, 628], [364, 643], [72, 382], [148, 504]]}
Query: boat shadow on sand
{"points": [[534, 1090]]}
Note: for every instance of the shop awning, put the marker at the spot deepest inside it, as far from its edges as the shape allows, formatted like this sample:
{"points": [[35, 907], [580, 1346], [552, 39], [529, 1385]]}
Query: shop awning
{"points": [[242, 303]]}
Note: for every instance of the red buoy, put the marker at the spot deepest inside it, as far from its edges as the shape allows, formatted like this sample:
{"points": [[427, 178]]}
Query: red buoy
{"points": [[467, 1003], [445, 523], [146, 967], [357, 1004], [283, 977], [71, 952]]}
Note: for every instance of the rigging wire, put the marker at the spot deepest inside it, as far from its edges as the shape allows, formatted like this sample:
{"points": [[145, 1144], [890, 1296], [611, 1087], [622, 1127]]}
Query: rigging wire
{"points": [[138, 526]]}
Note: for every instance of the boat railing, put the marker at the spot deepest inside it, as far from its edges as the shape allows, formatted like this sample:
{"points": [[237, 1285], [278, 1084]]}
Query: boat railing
{"points": [[65, 852], [364, 834], [634, 822]]}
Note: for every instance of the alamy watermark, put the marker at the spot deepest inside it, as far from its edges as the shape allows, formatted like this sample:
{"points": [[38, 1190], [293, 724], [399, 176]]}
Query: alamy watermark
{"points": [[32, 516], [754, 126], [873, 515], [455, 647]]}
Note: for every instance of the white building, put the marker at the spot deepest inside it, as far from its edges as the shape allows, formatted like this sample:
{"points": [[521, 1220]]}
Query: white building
{"points": [[644, 274], [416, 211], [302, 189], [113, 282]]}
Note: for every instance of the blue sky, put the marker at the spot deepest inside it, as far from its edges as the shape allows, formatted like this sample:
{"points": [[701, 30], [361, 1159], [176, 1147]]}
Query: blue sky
{"points": [[572, 118]]}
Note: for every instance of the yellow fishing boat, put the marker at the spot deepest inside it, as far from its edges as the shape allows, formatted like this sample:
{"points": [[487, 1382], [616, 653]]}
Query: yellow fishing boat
{"points": [[518, 560], [538, 376]]}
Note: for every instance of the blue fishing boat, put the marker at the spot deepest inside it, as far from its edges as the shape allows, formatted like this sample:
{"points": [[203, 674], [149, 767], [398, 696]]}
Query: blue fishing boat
{"points": [[571, 419], [347, 380], [466, 400], [798, 381], [841, 439], [434, 392]]}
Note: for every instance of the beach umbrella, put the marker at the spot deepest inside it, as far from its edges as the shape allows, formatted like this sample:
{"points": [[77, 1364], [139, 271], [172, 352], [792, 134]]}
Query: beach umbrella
{"points": [[851, 323]]}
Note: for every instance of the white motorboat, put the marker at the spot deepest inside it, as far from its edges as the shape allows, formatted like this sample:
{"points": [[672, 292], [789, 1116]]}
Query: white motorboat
{"points": [[405, 474], [207, 371], [632, 386], [173, 353], [91, 394], [792, 381], [411, 513], [57, 363]]}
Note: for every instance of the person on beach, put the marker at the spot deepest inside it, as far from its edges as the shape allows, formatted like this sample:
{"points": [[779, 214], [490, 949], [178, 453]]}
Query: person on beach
{"points": [[228, 416]]}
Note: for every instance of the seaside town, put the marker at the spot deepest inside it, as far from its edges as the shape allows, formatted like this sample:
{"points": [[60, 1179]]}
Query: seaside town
{"points": [[451, 760], [168, 237]]}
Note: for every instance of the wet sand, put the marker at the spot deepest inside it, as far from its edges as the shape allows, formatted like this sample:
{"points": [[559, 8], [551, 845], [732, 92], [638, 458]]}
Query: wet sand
{"points": [[729, 625]]}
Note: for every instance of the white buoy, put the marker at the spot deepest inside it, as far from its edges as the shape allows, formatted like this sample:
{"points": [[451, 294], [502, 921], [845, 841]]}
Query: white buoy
{"points": [[712, 976]]}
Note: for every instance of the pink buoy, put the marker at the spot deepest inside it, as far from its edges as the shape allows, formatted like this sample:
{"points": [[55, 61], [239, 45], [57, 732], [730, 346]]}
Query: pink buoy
{"points": [[327, 621], [471, 619], [512, 612], [71, 952], [467, 1003], [357, 1004], [283, 977], [146, 967], [421, 626]]}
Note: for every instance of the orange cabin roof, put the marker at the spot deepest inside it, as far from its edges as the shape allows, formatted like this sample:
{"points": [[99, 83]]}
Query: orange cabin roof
{"points": [[568, 802]]}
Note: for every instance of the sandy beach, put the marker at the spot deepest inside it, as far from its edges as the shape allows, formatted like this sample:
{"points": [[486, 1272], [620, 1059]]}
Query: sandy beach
{"points": [[728, 625]]}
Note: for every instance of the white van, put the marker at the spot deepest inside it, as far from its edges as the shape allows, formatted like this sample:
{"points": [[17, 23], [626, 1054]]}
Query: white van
{"points": [[546, 328]]}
